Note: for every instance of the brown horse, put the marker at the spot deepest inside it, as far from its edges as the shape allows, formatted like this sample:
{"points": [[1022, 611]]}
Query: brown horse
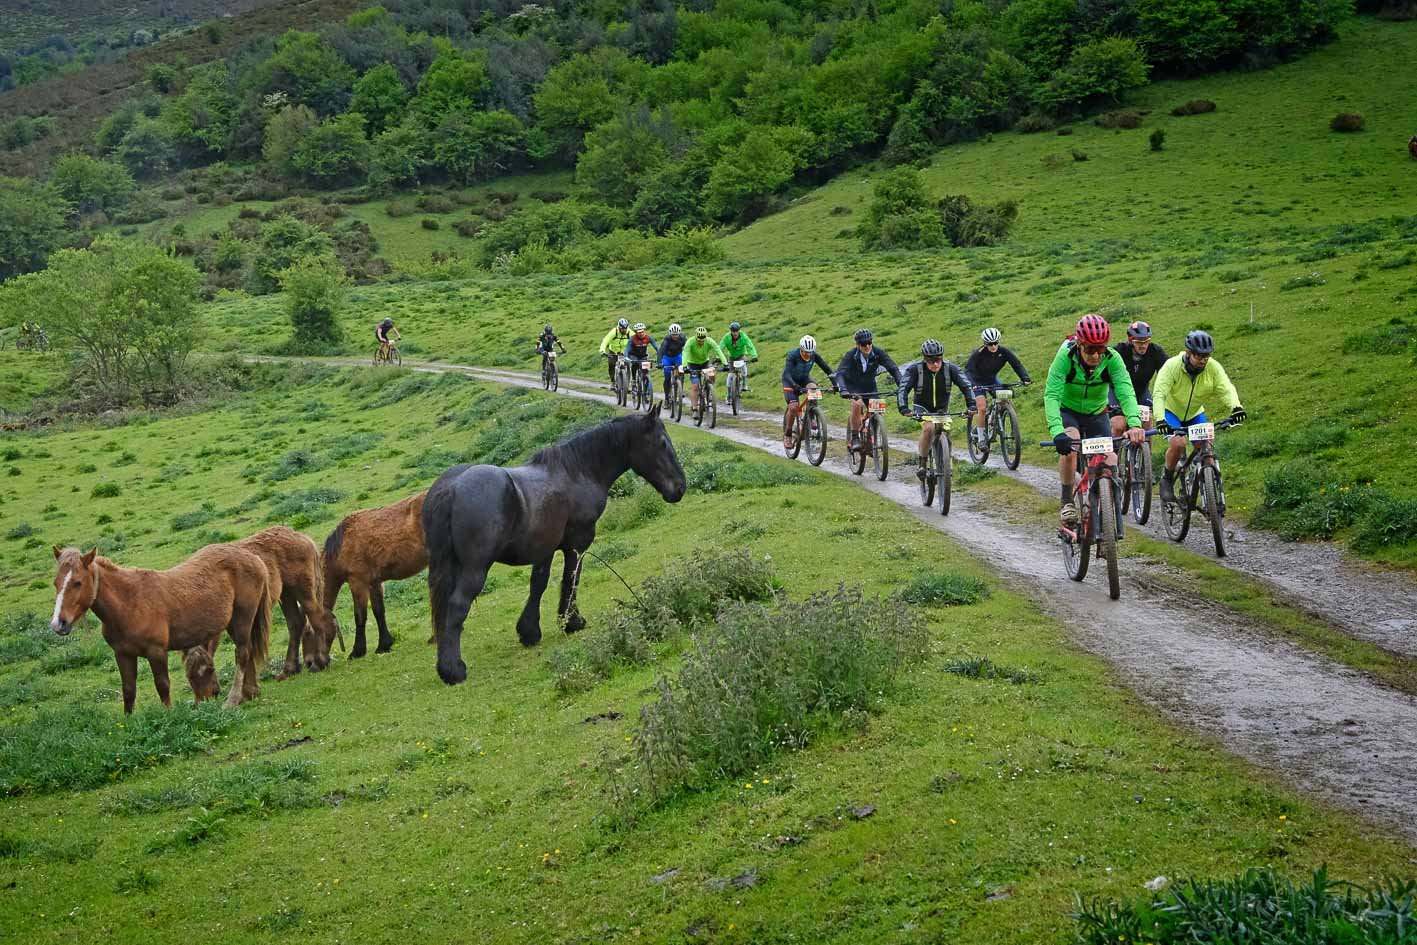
{"points": [[369, 547], [296, 578], [147, 613]]}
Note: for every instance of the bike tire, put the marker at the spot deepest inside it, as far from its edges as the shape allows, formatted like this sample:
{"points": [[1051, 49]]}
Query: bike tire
{"points": [[880, 447], [946, 470], [1107, 534], [1076, 554], [815, 430], [395, 357], [648, 395], [621, 395], [697, 411], [1141, 485], [1010, 441], [733, 392], [799, 433], [545, 379], [927, 482], [858, 458], [1178, 514], [555, 378], [712, 405], [1210, 486], [676, 398], [978, 455]]}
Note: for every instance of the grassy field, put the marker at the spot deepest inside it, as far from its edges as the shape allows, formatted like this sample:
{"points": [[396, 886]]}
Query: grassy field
{"points": [[485, 811]]}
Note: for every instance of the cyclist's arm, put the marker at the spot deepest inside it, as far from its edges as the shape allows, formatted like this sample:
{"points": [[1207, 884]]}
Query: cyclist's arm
{"points": [[890, 366], [1122, 387], [718, 350], [560, 344], [961, 380], [653, 345], [905, 389], [1017, 365], [1225, 388], [749, 349], [605, 342], [818, 360], [787, 380], [1161, 388], [1053, 392], [839, 378]]}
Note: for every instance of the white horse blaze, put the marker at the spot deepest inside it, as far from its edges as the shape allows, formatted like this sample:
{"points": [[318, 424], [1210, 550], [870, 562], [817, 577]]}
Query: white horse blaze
{"points": [[59, 600]]}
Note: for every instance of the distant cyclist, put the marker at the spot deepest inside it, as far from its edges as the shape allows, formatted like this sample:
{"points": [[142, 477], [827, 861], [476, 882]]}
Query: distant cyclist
{"points": [[1143, 358], [671, 355], [547, 341], [1182, 387], [638, 344], [856, 374], [928, 381], [739, 347], [983, 369], [613, 343], [386, 334], [796, 373], [697, 356], [1075, 399]]}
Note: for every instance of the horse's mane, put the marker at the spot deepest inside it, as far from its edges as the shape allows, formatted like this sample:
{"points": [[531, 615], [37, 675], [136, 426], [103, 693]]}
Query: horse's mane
{"points": [[600, 445]]}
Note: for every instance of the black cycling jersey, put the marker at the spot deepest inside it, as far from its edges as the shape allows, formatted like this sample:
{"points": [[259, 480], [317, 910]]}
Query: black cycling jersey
{"points": [[545, 341], [931, 389], [855, 378], [672, 347], [1142, 369], [796, 372], [983, 365]]}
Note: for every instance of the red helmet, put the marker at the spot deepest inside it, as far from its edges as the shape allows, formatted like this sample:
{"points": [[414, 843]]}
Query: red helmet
{"points": [[1093, 329]]}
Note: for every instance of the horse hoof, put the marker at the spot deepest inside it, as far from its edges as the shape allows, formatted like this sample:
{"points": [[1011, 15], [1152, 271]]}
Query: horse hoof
{"points": [[529, 637], [384, 647], [454, 674], [575, 624], [356, 653]]}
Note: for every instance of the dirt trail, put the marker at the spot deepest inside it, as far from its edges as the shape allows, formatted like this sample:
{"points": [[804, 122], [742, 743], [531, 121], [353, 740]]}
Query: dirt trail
{"points": [[1315, 724]]}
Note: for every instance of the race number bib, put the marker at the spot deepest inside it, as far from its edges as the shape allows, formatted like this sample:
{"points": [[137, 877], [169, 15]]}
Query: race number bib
{"points": [[943, 421], [1201, 432], [739, 364], [1144, 412], [1004, 393], [814, 394], [1095, 445], [877, 406]]}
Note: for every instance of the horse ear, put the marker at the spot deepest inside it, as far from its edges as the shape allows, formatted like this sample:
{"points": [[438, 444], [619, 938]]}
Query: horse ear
{"points": [[57, 552], [655, 412], [89, 556]]}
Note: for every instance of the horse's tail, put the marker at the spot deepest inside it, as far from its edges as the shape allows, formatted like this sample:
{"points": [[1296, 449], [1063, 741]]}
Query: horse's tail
{"points": [[443, 564], [261, 628]]}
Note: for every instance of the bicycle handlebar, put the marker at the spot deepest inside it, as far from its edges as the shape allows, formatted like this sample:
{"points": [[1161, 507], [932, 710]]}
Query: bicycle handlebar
{"points": [[1115, 439]]}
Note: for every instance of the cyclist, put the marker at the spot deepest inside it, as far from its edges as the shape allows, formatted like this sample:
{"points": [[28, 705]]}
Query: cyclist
{"points": [[696, 357], [1182, 387], [1143, 358], [545, 342], [795, 375], [929, 380], [381, 335], [856, 374], [739, 347], [638, 344], [671, 355], [613, 343], [983, 366], [1075, 399]]}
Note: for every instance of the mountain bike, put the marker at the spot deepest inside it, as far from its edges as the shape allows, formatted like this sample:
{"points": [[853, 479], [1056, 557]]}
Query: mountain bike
{"points": [[1000, 423], [810, 427], [1137, 475], [550, 375], [737, 380], [387, 353], [939, 465], [873, 440], [622, 379], [705, 406], [1199, 486], [1099, 511], [644, 388], [676, 393]]}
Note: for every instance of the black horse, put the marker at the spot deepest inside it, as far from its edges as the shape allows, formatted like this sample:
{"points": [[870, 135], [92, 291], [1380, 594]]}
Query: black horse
{"points": [[477, 515]]}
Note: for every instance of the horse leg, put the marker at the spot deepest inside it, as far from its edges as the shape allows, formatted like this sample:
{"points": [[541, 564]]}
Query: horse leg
{"points": [[376, 601], [295, 623], [360, 593], [128, 672], [529, 624], [451, 669], [570, 579], [160, 680]]}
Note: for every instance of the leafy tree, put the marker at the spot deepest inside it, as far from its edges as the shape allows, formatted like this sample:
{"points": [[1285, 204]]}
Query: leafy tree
{"points": [[284, 134], [308, 71], [201, 119], [284, 241], [110, 133], [162, 77], [1187, 35], [671, 195], [972, 224], [314, 287], [556, 225], [899, 196], [90, 185], [1099, 71], [472, 145], [396, 158], [31, 225], [147, 150], [455, 82], [912, 136], [335, 151], [1040, 32], [623, 153], [584, 91], [380, 96], [746, 177]]}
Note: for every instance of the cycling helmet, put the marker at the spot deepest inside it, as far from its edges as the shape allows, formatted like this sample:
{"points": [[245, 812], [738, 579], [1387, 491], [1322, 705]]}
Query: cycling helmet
{"points": [[808, 344], [864, 336], [547, 330], [387, 323], [639, 326], [622, 324], [1200, 342], [701, 332], [735, 327], [990, 336], [1093, 329], [932, 349], [1139, 331], [674, 329]]}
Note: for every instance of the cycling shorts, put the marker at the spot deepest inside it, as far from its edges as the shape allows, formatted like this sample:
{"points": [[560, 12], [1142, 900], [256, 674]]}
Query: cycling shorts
{"points": [[981, 389], [670, 361], [1114, 406], [1175, 423], [1088, 424], [694, 369]]}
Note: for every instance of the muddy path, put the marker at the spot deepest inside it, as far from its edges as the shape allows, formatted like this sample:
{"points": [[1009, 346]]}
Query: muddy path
{"points": [[1315, 724]]}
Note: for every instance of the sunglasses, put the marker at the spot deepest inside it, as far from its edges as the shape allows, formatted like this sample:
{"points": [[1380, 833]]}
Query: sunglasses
{"points": [[1095, 350], [934, 360]]}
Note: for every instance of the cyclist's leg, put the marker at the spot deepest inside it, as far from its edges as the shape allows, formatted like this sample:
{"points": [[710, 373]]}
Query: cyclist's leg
{"points": [[855, 417], [789, 416], [981, 403], [927, 439], [694, 377], [666, 365]]}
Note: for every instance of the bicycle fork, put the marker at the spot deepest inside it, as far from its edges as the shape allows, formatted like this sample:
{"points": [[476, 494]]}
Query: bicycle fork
{"points": [[1095, 513]]}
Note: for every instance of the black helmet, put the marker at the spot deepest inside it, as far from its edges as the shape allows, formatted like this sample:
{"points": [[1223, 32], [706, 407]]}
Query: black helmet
{"points": [[1200, 342], [387, 322], [547, 330], [735, 327], [932, 349], [863, 336]]}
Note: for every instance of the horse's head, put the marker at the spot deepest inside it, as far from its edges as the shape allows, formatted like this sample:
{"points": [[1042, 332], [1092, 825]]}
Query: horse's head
{"points": [[75, 587], [201, 673], [653, 459]]}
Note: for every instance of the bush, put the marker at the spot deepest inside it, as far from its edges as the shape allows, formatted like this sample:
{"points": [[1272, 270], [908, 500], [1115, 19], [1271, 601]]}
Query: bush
{"points": [[468, 228], [314, 289], [106, 490], [1121, 118], [1196, 106], [1157, 139], [944, 590], [1346, 122], [430, 223], [400, 208], [435, 203], [304, 506], [1302, 282], [1393, 338], [970, 224], [1386, 523], [1033, 122]]}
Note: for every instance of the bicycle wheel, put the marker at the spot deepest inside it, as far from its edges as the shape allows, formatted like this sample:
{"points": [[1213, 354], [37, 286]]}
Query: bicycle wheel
{"points": [[555, 377], [1010, 443], [712, 405], [858, 458], [980, 454], [395, 357], [545, 377], [733, 392], [798, 435], [1210, 487], [1177, 515], [376, 360], [931, 464], [648, 392], [880, 447], [1107, 534], [816, 433], [1076, 552], [945, 463], [1139, 482], [676, 398]]}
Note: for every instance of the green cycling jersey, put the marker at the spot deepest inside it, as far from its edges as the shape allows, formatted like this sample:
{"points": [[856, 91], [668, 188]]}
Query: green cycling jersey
{"points": [[743, 349], [1071, 385], [702, 350]]}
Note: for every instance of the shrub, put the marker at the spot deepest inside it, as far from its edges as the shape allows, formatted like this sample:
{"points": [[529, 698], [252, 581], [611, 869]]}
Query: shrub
{"points": [[1301, 282], [193, 519], [1387, 522], [970, 224], [25, 635], [1121, 118], [314, 289], [1346, 122], [1078, 155], [1196, 106], [944, 590], [468, 228], [435, 203], [400, 208], [429, 223], [1393, 338], [304, 506], [1157, 139], [106, 490], [981, 667], [1033, 122]]}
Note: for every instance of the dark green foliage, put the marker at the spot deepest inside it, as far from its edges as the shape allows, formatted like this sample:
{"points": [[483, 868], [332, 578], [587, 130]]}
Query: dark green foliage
{"points": [[1393, 338], [556, 225], [981, 667], [314, 290], [969, 224], [1347, 122], [106, 490], [284, 241], [90, 185], [194, 519], [944, 590], [304, 507], [1196, 106], [1258, 906], [1157, 139], [31, 225], [1127, 118], [901, 215], [1387, 522], [25, 635], [83, 747]]}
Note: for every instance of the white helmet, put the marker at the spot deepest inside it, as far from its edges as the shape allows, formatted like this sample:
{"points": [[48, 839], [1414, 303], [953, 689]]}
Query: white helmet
{"points": [[808, 344], [639, 326], [675, 329], [990, 336]]}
